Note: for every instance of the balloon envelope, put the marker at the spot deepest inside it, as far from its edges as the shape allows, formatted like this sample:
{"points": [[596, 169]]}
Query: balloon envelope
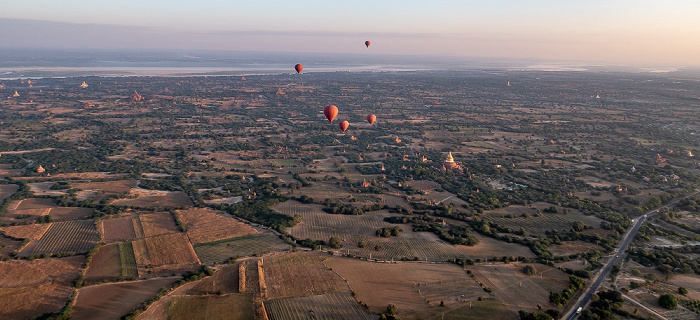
{"points": [[330, 111], [367, 44], [371, 118], [344, 125], [298, 68]]}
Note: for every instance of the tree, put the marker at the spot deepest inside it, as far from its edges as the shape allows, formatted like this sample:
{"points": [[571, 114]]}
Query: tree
{"points": [[335, 243], [529, 270], [578, 226], [668, 301], [682, 290]]}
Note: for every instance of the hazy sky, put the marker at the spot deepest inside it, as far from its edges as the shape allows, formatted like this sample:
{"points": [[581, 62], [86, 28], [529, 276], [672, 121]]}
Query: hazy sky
{"points": [[626, 32]]}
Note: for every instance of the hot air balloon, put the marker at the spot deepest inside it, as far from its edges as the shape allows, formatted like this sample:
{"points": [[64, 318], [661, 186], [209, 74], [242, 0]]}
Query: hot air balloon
{"points": [[371, 118], [330, 111], [298, 68], [367, 43], [344, 125]]}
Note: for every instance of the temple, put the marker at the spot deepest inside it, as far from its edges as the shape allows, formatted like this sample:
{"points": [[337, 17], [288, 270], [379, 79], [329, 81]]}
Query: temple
{"points": [[451, 164]]}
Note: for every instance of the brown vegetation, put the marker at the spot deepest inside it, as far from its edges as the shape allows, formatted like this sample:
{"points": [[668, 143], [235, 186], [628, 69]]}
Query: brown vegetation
{"points": [[31, 288], [164, 254], [113, 300], [206, 225]]}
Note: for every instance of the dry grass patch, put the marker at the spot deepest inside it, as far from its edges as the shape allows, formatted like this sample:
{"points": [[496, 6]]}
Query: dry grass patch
{"points": [[32, 288], [206, 225]]}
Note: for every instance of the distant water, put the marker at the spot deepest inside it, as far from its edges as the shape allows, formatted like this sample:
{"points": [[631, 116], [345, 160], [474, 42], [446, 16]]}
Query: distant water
{"points": [[40, 63], [36, 63]]}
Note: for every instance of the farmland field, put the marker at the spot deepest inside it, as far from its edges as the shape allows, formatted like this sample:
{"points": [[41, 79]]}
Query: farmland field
{"points": [[330, 306], [319, 225], [225, 279], [256, 244], [127, 260], [28, 231], [113, 261], [299, 274], [548, 221], [8, 246], [154, 199], [206, 225], [31, 288], [113, 300], [69, 213], [120, 186], [163, 254], [7, 190], [105, 264], [156, 224], [237, 306], [119, 229], [517, 290], [572, 247], [76, 236], [35, 203], [489, 308], [415, 288]]}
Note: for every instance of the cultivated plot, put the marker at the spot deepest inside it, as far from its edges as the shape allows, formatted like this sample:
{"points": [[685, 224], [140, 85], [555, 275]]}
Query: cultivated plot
{"points": [[77, 236], [113, 300], [206, 225], [232, 306], [164, 254], [32, 288], [330, 306], [299, 274], [517, 290], [257, 244], [415, 288]]}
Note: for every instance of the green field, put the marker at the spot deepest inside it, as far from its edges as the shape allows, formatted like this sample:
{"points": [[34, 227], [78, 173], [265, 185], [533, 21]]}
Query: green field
{"points": [[256, 244], [128, 261], [234, 306]]}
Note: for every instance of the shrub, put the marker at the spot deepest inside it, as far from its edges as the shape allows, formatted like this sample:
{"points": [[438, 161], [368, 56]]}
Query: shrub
{"points": [[668, 301]]}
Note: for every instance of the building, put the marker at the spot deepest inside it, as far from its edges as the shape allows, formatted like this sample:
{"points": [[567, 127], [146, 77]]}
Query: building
{"points": [[16, 94], [83, 85], [451, 164], [40, 169], [136, 97]]}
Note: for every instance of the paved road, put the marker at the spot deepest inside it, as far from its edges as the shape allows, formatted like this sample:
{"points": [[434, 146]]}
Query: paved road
{"points": [[586, 297]]}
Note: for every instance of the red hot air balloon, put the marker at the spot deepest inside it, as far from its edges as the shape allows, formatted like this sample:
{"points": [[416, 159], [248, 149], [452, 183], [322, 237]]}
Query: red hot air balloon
{"points": [[330, 111], [298, 68], [344, 125], [371, 118], [367, 43]]}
